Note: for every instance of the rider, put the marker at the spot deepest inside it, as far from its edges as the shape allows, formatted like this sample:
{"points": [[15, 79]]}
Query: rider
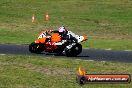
{"points": [[63, 31], [68, 35]]}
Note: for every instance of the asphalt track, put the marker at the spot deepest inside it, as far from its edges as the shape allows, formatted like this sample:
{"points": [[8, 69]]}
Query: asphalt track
{"points": [[87, 54]]}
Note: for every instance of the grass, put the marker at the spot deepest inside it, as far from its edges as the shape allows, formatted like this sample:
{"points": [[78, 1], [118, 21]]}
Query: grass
{"points": [[114, 44], [52, 72], [108, 20], [107, 23]]}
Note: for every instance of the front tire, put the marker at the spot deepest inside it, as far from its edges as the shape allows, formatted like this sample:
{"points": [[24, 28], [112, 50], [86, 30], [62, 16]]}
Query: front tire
{"points": [[74, 51]]}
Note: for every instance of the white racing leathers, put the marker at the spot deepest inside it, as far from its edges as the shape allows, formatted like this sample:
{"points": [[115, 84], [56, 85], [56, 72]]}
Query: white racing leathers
{"points": [[74, 38]]}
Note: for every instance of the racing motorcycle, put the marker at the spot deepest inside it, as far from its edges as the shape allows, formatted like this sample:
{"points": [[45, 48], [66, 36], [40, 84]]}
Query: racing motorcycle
{"points": [[54, 42]]}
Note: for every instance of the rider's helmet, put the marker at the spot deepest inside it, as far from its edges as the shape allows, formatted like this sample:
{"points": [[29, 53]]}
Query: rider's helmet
{"points": [[61, 29]]}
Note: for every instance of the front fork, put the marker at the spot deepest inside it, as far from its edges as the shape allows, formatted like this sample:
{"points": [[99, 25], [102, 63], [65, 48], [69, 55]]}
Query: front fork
{"points": [[70, 46]]}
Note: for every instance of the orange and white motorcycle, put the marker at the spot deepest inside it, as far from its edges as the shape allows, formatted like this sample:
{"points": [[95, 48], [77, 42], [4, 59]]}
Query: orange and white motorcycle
{"points": [[54, 42]]}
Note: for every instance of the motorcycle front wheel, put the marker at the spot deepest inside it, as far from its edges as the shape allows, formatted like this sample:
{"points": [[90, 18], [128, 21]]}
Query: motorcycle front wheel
{"points": [[74, 51]]}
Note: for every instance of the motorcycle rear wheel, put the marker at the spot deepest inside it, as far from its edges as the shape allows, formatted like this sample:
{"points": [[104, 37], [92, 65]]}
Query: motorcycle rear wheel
{"points": [[36, 47]]}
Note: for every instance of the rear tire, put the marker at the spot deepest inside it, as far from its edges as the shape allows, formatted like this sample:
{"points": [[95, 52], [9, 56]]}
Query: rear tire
{"points": [[74, 51], [31, 47], [36, 47]]}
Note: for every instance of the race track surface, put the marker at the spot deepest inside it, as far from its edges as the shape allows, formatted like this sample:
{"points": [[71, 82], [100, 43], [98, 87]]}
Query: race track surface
{"points": [[87, 54]]}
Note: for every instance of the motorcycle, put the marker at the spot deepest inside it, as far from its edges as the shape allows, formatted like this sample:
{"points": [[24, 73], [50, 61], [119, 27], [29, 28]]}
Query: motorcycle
{"points": [[54, 42]]}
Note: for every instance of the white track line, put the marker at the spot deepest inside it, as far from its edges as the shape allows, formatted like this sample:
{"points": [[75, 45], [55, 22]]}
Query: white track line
{"points": [[127, 50], [108, 49], [103, 61], [85, 60], [90, 60], [2, 54], [77, 59]]}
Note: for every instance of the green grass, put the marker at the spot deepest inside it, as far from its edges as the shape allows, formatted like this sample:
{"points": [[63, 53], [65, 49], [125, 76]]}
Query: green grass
{"points": [[107, 23], [114, 44], [109, 19], [54, 72]]}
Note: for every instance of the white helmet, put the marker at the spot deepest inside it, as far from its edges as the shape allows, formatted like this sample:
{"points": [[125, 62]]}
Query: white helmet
{"points": [[62, 29]]}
